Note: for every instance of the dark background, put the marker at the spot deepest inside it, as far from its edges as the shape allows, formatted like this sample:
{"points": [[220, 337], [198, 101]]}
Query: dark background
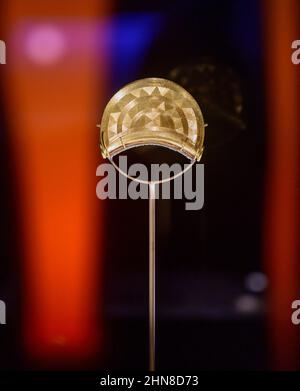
{"points": [[203, 257]]}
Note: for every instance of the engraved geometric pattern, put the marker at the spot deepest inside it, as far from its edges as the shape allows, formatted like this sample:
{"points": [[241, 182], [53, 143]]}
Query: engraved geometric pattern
{"points": [[152, 111]]}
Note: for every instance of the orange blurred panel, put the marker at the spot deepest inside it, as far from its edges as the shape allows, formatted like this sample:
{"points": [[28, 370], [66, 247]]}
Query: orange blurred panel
{"points": [[52, 80], [281, 23]]}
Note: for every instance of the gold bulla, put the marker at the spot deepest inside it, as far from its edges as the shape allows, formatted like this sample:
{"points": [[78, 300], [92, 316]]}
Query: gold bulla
{"points": [[152, 111]]}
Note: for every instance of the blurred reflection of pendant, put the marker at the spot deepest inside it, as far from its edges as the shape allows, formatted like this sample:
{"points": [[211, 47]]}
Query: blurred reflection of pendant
{"points": [[217, 88]]}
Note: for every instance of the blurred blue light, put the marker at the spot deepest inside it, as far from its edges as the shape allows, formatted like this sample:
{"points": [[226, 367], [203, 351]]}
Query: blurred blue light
{"points": [[131, 38]]}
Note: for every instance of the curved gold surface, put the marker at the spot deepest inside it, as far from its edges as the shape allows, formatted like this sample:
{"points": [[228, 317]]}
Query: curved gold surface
{"points": [[152, 111]]}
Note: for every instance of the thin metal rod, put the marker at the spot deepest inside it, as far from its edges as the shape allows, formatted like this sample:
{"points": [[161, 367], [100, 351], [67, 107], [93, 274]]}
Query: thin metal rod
{"points": [[152, 276]]}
